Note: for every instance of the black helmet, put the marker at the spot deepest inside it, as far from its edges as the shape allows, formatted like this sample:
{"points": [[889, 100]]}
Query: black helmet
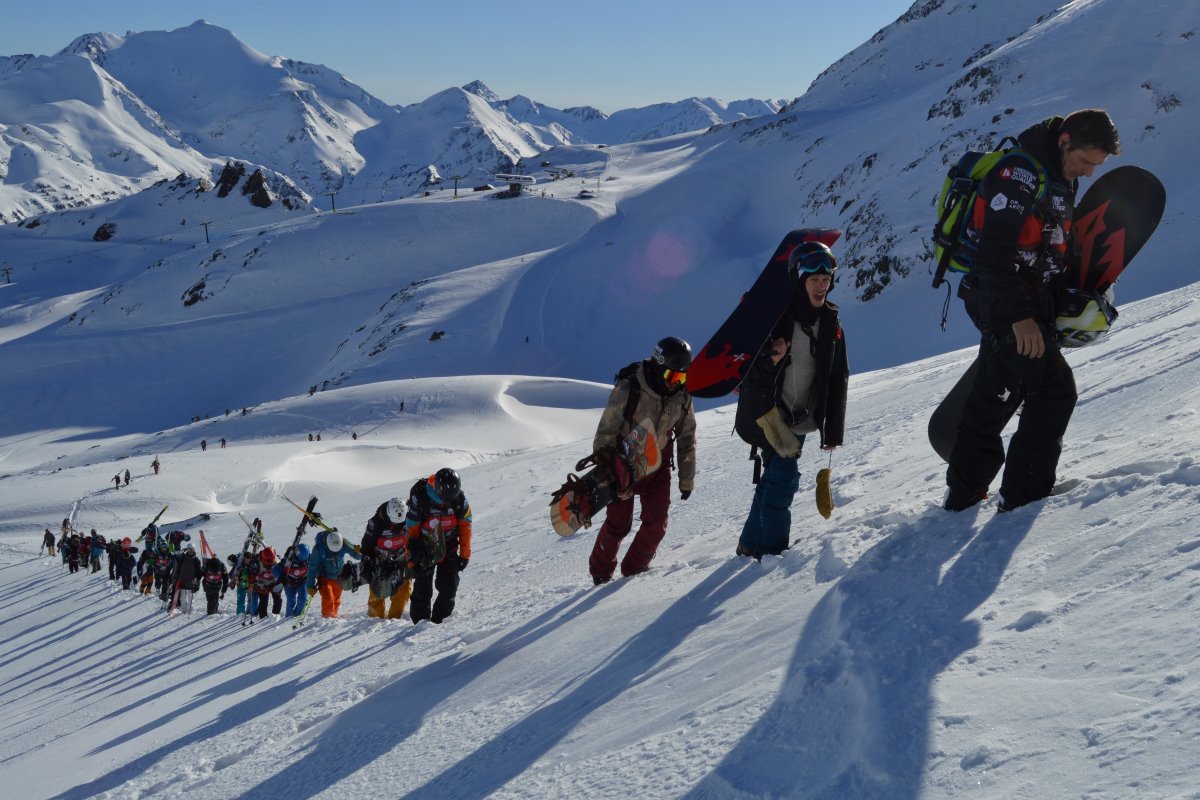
{"points": [[447, 483], [672, 353], [811, 258]]}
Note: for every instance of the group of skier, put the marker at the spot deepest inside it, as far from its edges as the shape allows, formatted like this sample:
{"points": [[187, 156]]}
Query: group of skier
{"points": [[796, 385], [412, 549]]}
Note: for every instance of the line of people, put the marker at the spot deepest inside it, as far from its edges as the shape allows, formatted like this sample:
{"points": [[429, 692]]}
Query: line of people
{"points": [[411, 550]]}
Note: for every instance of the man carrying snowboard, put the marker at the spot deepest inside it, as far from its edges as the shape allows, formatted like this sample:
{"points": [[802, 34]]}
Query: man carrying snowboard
{"points": [[659, 383], [1010, 295], [796, 386]]}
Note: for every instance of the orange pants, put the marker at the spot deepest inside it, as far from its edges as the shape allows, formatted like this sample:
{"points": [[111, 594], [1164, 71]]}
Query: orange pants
{"points": [[399, 601], [331, 596], [146, 586]]}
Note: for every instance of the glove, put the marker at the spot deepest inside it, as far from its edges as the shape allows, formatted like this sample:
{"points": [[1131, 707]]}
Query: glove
{"points": [[358, 548], [462, 563], [781, 438], [824, 494], [685, 494], [222, 597], [312, 590]]}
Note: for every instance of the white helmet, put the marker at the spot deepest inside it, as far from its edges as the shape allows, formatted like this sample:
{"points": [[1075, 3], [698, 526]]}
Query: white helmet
{"points": [[395, 509], [333, 541]]}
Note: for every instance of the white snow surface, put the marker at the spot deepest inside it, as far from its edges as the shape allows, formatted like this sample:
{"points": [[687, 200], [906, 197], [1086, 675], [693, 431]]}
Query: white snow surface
{"points": [[895, 651]]}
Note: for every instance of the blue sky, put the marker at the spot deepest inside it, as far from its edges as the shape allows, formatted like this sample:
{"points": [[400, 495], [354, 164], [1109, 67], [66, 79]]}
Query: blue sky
{"points": [[611, 55]]}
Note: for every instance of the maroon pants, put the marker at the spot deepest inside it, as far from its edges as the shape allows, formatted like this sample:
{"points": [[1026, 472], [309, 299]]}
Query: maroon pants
{"points": [[655, 494]]}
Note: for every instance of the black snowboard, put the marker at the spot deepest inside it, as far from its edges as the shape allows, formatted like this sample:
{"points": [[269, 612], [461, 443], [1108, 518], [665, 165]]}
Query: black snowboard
{"points": [[722, 363], [1111, 223]]}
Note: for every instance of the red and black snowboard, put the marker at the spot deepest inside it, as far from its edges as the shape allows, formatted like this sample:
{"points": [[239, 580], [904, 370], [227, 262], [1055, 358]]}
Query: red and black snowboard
{"points": [[1111, 223], [722, 363]]}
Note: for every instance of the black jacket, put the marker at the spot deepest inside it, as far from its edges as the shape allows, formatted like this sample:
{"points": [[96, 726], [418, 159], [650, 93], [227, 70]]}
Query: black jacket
{"points": [[762, 388], [1022, 239]]}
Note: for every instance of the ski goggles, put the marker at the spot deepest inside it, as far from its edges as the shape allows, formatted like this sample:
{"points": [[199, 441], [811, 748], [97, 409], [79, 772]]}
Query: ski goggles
{"points": [[813, 263], [674, 377]]}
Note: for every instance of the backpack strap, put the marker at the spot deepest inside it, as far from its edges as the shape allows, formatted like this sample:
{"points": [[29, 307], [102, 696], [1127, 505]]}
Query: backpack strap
{"points": [[629, 374]]}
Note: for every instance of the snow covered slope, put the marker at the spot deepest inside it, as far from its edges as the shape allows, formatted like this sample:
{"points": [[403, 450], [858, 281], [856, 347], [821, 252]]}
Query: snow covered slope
{"points": [[894, 651]]}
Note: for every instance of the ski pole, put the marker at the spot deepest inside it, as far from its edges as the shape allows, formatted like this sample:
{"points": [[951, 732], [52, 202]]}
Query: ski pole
{"points": [[303, 612]]}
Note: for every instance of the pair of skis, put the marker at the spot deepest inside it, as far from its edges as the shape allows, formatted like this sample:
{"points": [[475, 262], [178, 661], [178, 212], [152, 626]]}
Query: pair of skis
{"points": [[309, 516]]}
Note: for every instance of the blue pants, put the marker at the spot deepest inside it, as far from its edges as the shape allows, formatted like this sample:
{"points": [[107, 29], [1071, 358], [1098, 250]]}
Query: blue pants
{"points": [[296, 598], [769, 524], [241, 599]]}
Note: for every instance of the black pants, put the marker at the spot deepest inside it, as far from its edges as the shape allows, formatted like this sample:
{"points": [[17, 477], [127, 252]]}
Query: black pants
{"points": [[126, 580], [444, 577], [214, 598], [1005, 379]]}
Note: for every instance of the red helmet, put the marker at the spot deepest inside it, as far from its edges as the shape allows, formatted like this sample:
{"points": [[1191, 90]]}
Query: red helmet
{"points": [[267, 557], [127, 542]]}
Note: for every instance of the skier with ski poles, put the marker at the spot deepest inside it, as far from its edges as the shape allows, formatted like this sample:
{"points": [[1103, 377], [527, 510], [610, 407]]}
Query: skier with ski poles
{"points": [[796, 387], [438, 529], [385, 561]]}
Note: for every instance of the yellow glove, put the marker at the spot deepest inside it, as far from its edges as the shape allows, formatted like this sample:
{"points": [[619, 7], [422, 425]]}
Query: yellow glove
{"points": [[782, 440], [312, 590], [824, 494]]}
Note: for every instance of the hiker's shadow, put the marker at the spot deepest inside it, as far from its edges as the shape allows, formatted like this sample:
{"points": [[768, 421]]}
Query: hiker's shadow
{"points": [[504, 757], [853, 716]]}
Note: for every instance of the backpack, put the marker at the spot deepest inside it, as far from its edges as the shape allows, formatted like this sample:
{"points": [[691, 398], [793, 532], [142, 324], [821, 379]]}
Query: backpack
{"points": [[348, 578], [954, 241]]}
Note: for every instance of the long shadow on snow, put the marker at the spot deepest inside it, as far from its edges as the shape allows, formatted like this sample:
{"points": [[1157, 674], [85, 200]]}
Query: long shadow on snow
{"points": [[514, 750], [371, 730], [853, 715], [274, 695]]}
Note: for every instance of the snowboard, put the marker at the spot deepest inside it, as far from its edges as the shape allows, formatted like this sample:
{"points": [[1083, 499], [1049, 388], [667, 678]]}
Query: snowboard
{"points": [[581, 496], [722, 363], [1112, 222]]}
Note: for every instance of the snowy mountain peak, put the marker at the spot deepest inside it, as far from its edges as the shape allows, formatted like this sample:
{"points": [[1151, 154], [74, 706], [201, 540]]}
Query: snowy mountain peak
{"points": [[480, 89]]}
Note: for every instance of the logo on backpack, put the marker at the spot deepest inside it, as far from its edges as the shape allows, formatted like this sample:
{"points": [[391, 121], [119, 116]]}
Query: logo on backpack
{"points": [[955, 241]]}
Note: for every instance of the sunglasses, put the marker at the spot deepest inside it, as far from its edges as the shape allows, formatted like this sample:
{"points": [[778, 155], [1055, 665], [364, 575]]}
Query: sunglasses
{"points": [[674, 377]]}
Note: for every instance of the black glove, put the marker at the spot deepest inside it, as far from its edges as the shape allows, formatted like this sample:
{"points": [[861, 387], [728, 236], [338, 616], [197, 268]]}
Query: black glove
{"points": [[462, 563], [222, 597], [685, 494]]}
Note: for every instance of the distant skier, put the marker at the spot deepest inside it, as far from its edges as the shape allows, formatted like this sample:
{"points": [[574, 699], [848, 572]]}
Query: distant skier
{"points": [[262, 580], [74, 551], [655, 390], [294, 578], [145, 570], [438, 528], [155, 465], [113, 549], [126, 563], [97, 550], [163, 567], [385, 561], [127, 477], [117, 481], [795, 387], [185, 578], [215, 582], [203, 445], [48, 542], [175, 540], [222, 442], [325, 567]]}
